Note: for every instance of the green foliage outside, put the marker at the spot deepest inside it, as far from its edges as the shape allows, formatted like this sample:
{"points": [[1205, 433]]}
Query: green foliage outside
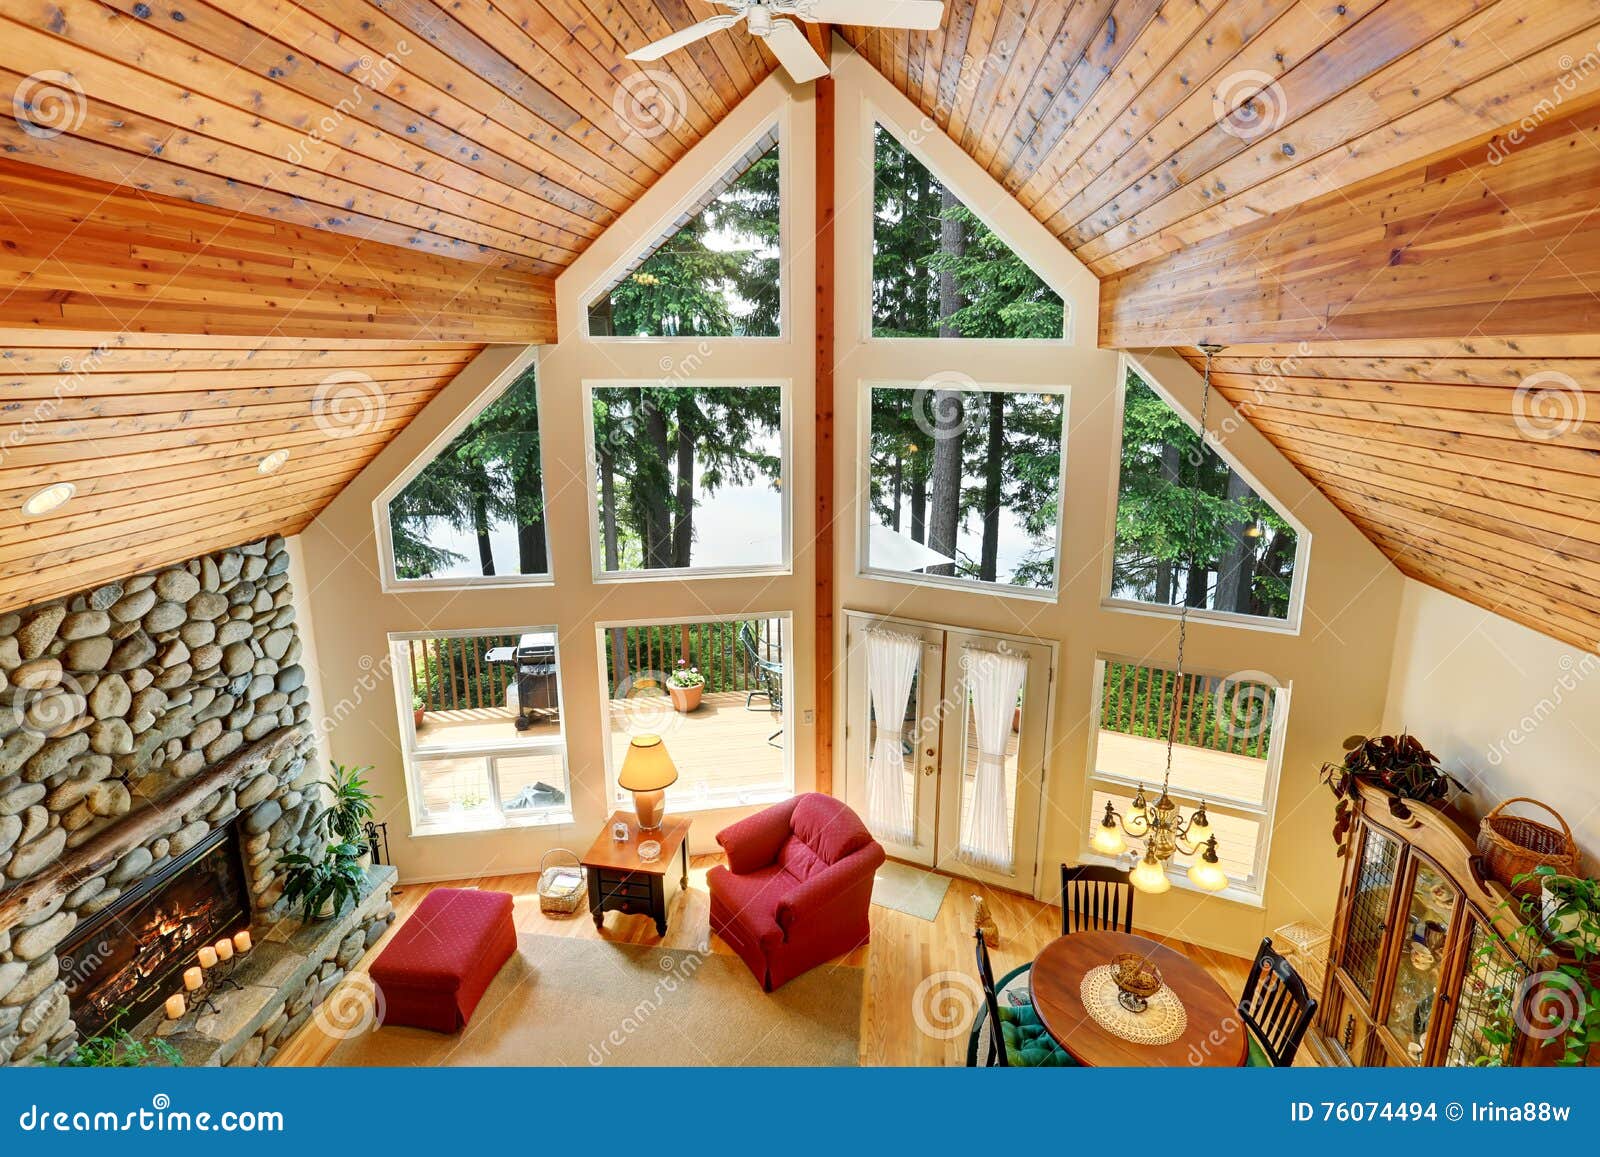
{"points": [[1189, 528], [1234, 717], [717, 276], [487, 477]]}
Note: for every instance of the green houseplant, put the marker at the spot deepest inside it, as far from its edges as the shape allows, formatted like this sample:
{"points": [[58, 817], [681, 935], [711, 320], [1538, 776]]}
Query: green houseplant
{"points": [[1560, 925], [1398, 764], [345, 818], [686, 684], [321, 886], [419, 708], [113, 1047]]}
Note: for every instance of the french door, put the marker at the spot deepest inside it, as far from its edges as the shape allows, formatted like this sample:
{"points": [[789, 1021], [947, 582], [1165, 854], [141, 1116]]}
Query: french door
{"points": [[945, 736]]}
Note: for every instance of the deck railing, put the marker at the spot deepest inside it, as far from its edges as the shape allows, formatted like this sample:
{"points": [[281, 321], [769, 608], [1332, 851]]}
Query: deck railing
{"points": [[451, 674], [1231, 715]]}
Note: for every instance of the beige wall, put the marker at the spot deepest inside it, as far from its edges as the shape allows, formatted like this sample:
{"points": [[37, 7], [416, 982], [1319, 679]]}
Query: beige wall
{"points": [[1336, 665], [354, 615], [1510, 712]]}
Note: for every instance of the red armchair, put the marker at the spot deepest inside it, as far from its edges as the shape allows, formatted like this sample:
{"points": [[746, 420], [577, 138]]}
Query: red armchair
{"points": [[797, 886]]}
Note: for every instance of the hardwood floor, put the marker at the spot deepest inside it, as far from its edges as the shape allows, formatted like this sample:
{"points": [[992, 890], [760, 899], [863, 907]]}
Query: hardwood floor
{"points": [[920, 977]]}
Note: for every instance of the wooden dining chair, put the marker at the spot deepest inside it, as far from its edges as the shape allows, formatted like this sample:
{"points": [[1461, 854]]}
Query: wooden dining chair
{"points": [[1276, 1008], [1017, 1038], [1095, 898]]}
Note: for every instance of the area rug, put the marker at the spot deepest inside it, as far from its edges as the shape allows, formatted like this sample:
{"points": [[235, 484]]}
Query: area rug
{"points": [[909, 890], [569, 1001]]}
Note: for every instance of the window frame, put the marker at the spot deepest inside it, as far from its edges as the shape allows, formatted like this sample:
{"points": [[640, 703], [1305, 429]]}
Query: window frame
{"points": [[864, 567], [422, 824], [613, 272], [597, 572], [720, 802], [874, 115], [1251, 891], [391, 583], [1291, 623]]}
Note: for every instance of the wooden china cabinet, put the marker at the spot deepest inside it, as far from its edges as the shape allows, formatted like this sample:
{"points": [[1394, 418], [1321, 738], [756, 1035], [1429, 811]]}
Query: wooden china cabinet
{"points": [[1410, 980]]}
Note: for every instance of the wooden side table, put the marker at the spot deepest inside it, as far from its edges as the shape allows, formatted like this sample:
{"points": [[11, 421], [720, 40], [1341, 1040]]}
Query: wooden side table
{"points": [[619, 881]]}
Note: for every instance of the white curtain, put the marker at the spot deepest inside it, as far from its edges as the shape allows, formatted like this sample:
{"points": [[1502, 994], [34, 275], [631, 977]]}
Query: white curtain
{"points": [[994, 682], [892, 661]]}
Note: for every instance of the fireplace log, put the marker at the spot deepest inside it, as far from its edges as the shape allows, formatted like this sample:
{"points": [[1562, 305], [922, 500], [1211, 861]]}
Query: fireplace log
{"points": [[99, 854]]}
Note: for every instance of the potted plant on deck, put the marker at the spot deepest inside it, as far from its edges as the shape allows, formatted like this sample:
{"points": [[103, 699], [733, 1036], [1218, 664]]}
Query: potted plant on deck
{"points": [[344, 820], [686, 684], [419, 708], [1398, 764]]}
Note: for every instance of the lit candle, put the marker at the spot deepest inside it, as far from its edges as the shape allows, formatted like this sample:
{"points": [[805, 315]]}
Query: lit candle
{"points": [[208, 956], [175, 1006], [241, 941], [224, 949], [192, 979]]}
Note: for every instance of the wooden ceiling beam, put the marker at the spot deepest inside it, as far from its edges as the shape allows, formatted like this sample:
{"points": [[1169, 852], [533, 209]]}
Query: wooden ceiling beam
{"points": [[1462, 245], [90, 255]]}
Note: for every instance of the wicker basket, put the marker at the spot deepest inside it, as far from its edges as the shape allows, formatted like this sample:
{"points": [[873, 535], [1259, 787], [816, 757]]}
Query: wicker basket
{"points": [[1513, 846], [563, 889]]}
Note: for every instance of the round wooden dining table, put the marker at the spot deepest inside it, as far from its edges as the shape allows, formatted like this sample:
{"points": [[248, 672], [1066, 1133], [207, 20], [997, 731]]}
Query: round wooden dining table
{"points": [[1214, 1036]]}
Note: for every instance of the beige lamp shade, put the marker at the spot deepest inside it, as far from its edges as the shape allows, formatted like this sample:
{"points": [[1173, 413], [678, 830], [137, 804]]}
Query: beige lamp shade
{"points": [[647, 766]]}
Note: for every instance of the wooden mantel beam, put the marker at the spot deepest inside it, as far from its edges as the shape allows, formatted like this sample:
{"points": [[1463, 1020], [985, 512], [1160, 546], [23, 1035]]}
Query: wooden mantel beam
{"points": [[83, 254], [1492, 239]]}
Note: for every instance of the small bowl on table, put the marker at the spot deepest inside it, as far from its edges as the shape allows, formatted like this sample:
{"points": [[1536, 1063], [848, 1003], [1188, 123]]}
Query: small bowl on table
{"points": [[1137, 980]]}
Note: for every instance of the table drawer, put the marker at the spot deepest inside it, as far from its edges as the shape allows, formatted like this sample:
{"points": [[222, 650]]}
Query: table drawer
{"points": [[624, 884]]}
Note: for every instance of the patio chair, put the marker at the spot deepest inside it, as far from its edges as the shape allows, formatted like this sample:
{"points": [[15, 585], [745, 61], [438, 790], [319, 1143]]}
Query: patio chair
{"points": [[768, 675]]}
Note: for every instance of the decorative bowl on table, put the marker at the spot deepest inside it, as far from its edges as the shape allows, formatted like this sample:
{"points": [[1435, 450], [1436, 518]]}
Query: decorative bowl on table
{"points": [[650, 851], [1137, 980]]}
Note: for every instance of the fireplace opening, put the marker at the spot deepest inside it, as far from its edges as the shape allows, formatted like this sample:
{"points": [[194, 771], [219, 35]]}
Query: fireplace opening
{"points": [[132, 955]]}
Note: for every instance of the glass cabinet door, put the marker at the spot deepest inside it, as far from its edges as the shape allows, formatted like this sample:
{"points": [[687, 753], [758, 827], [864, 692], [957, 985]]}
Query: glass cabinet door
{"points": [[1429, 910], [1483, 1031], [1369, 909]]}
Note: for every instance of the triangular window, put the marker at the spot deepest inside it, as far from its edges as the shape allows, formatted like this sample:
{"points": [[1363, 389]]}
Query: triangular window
{"points": [[715, 271], [1190, 527], [477, 510], [938, 270]]}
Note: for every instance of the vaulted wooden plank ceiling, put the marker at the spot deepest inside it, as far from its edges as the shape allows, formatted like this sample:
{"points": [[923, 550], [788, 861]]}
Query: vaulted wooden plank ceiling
{"points": [[1316, 184]]}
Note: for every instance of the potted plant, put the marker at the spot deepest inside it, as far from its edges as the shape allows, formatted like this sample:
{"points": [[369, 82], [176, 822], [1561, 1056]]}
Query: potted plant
{"points": [[347, 815], [419, 707], [686, 684], [1398, 764], [1559, 926], [320, 887]]}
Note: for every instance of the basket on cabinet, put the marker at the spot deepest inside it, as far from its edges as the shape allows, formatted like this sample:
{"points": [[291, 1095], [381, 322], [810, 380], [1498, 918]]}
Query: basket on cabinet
{"points": [[1513, 846]]}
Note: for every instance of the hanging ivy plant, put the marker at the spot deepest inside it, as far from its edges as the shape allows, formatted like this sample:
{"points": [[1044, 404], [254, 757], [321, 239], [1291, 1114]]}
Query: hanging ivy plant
{"points": [[1398, 764]]}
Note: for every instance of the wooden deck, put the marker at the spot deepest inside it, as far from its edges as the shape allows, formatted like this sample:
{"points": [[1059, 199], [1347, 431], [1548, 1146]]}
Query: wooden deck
{"points": [[721, 745]]}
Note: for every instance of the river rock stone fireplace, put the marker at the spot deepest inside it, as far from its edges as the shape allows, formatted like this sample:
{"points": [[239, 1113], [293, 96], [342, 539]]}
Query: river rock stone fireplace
{"points": [[155, 748]]}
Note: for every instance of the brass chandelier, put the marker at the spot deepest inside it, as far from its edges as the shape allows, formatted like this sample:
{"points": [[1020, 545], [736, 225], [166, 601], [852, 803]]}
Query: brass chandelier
{"points": [[1161, 825]]}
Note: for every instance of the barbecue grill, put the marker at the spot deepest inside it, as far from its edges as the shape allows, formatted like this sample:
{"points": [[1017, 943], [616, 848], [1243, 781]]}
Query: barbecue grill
{"points": [[535, 659]]}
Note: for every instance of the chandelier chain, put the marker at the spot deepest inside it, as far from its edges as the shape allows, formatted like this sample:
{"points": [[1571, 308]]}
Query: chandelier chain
{"points": [[1194, 529]]}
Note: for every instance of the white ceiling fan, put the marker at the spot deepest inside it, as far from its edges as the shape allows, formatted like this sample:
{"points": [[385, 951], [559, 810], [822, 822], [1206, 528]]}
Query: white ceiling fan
{"points": [[785, 38]]}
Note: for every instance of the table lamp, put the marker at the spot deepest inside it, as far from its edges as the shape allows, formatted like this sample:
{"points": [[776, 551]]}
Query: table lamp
{"points": [[647, 771]]}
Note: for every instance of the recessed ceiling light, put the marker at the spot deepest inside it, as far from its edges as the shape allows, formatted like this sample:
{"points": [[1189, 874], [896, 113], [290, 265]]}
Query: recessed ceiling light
{"points": [[49, 498], [273, 461]]}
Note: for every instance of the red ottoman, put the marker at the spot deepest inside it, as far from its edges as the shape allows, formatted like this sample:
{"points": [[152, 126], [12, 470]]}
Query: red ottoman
{"points": [[435, 970]]}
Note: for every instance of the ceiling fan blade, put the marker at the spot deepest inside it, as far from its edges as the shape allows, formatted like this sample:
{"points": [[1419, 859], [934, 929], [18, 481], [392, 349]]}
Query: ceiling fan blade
{"points": [[915, 14], [685, 36], [795, 53]]}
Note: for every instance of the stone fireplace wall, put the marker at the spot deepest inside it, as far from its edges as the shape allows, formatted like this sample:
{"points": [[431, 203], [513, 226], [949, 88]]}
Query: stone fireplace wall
{"points": [[112, 699]]}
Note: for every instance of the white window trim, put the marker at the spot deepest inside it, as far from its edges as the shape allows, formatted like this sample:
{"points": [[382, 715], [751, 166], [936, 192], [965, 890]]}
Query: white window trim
{"points": [[422, 824], [1251, 891], [598, 573], [392, 583], [713, 802], [864, 569], [1290, 624], [780, 121], [873, 115]]}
